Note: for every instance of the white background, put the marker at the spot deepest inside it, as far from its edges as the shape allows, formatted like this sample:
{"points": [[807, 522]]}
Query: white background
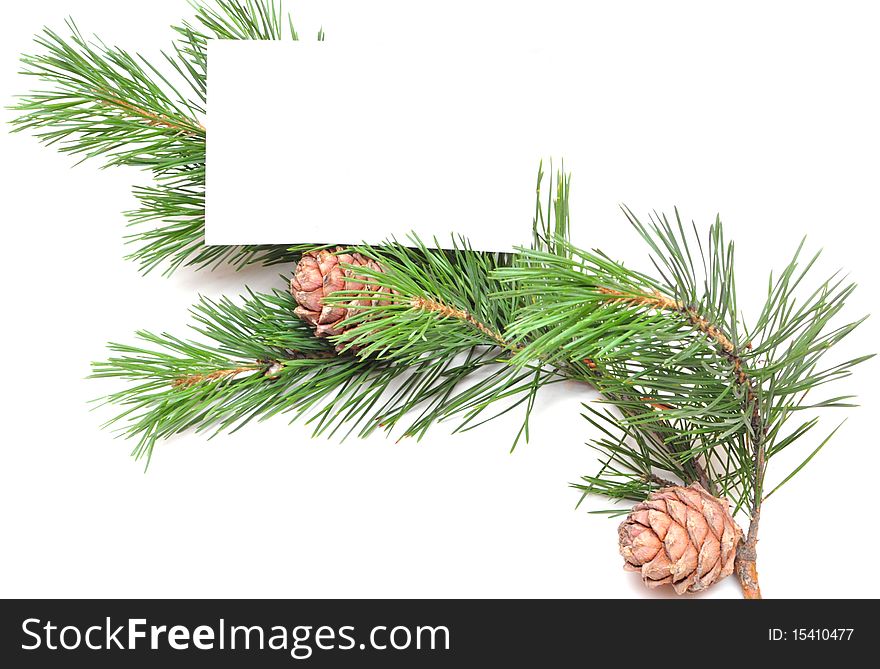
{"points": [[270, 512]]}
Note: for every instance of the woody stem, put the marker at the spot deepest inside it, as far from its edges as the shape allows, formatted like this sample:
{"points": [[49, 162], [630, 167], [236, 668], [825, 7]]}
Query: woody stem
{"points": [[747, 553], [746, 561], [193, 128]]}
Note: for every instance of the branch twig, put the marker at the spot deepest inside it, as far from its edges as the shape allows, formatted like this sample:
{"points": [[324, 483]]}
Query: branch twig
{"points": [[195, 130], [270, 369]]}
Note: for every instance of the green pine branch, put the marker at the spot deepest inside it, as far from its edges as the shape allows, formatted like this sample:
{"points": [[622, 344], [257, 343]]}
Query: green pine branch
{"points": [[727, 389], [690, 391], [440, 332], [102, 102], [255, 359], [684, 398]]}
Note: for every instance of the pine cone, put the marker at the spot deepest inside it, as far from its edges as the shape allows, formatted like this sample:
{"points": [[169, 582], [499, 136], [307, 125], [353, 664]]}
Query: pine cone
{"points": [[682, 536], [319, 274]]}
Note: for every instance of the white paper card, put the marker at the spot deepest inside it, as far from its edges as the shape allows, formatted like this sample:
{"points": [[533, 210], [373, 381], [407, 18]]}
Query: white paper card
{"points": [[320, 142], [372, 134]]}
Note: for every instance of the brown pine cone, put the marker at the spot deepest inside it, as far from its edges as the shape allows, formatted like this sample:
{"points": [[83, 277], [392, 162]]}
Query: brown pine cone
{"points": [[319, 274], [682, 536]]}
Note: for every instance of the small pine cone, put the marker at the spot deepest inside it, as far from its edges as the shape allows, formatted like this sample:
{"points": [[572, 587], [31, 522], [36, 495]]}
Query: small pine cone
{"points": [[319, 274], [682, 536]]}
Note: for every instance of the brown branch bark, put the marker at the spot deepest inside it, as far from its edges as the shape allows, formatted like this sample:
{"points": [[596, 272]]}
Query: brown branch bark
{"points": [[270, 369], [194, 129], [195, 379], [659, 480], [447, 311], [746, 558]]}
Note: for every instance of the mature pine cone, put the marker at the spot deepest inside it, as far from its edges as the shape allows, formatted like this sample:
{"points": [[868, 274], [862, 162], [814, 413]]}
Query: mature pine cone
{"points": [[682, 536], [319, 274]]}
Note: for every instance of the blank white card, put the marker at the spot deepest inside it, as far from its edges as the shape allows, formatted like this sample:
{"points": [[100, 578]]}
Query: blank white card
{"points": [[320, 142]]}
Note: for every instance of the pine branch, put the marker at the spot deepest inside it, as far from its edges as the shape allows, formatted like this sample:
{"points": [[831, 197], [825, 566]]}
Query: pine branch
{"points": [[690, 390], [703, 407], [440, 331], [464, 303], [261, 360], [104, 102], [746, 552], [646, 357], [765, 368]]}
